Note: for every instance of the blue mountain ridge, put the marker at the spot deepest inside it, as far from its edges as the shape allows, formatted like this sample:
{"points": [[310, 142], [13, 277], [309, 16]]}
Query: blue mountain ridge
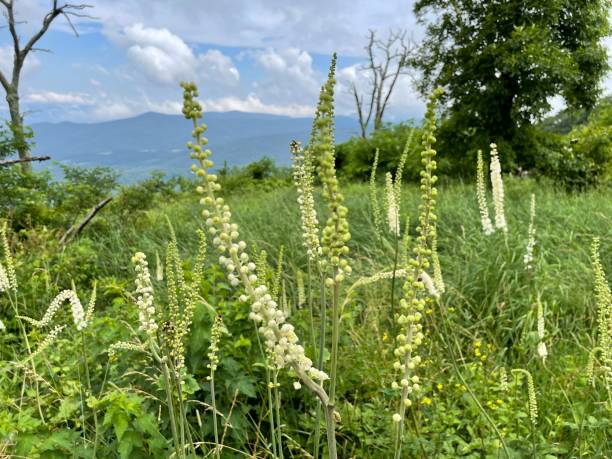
{"points": [[152, 141]]}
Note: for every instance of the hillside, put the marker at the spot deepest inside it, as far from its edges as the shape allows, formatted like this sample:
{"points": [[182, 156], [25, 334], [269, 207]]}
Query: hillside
{"points": [[153, 141]]}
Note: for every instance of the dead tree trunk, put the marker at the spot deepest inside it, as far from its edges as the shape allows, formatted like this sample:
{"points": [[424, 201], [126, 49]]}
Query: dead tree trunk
{"points": [[20, 53]]}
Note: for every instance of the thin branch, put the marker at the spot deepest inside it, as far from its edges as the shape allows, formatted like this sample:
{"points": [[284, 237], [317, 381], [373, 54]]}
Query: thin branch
{"points": [[74, 232], [10, 162], [66, 10]]}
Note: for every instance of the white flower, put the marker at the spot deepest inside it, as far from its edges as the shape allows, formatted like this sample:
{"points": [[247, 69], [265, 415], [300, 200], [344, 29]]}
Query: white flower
{"points": [[144, 294], [498, 189], [392, 208], [4, 280], [487, 227], [78, 314], [542, 351], [2, 327], [397, 417]]}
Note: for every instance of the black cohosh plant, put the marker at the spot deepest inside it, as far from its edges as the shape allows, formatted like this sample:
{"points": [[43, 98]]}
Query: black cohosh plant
{"points": [[418, 291], [280, 340]]}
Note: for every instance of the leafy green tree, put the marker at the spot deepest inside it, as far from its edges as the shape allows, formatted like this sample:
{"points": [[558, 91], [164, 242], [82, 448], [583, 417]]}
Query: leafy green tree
{"points": [[501, 61]]}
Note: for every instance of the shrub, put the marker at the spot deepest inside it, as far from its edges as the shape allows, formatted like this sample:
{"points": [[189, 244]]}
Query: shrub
{"points": [[354, 158]]}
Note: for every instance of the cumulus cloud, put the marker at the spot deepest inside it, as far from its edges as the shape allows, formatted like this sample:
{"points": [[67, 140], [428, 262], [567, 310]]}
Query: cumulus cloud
{"points": [[289, 75], [163, 56], [216, 65], [51, 97]]}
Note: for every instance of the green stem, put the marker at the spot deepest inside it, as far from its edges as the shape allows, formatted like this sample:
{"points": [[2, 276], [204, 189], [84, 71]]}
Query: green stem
{"points": [[395, 262], [168, 386], [323, 319], [278, 423], [214, 407], [335, 339], [89, 388]]}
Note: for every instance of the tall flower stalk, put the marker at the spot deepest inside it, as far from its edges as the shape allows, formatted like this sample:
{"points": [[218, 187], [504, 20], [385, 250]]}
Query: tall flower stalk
{"points": [[481, 194], [497, 186], [415, 297], [531, 241], [603, 297]]}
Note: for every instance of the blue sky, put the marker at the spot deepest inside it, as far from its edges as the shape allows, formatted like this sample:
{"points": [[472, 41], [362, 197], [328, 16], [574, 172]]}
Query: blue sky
{"points": [[251, 55]]}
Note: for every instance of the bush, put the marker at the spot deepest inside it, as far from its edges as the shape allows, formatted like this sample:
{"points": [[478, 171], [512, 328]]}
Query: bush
{"points": [[354, 158]]}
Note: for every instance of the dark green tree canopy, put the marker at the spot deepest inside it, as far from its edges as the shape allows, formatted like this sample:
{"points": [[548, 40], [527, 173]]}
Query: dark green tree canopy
{"points": [[501, 61]]}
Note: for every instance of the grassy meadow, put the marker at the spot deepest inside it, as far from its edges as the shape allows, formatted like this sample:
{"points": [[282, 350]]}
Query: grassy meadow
{"points": [[160, 333]]}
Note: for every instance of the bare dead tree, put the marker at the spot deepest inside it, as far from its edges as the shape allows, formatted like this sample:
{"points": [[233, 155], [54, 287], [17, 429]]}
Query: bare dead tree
{"points": [[10, 83], [387, 60]]}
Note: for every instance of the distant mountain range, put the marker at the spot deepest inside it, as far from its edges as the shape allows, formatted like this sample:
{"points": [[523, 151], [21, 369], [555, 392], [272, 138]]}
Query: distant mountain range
{"points": [[153, 141]]}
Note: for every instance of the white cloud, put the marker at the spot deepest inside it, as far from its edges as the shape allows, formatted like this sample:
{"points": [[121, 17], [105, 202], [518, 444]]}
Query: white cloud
{"points": [[217, 66], [319, 26], [51, 97], [163, 56], [110, 110], [252, 103], [289, 75]]}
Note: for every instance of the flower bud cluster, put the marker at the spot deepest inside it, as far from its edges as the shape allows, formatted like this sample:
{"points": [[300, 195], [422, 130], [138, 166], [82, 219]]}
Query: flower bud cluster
{"points": [[528, 258], [603, 297], [374, 195], [198, 270], [533, 402], [303, 178], [399, 173], [144, 294], [124, 346], [481, 194], [213, 349], [279, 337], [417, 281], [438, 280], [78, 314], [497, 185], [9, 279], [336, 232], [301, 292], [180, 308], [49, 339]]}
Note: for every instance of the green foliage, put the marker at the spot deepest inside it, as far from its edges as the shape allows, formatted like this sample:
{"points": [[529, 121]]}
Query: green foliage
{"points": [[354, 158], [13, 139], [261, 175], [500, 62], [583, 157], [23, 197]]}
